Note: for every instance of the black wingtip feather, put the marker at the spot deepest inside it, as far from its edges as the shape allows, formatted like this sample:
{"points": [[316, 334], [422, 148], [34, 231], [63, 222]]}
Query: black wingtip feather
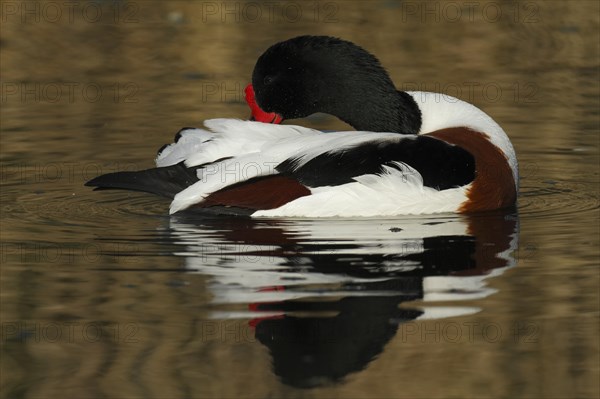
{"points": [[166, 181]]}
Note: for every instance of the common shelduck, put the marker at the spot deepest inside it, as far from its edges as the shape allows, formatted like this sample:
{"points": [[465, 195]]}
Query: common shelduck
{"points": [[411, 153]]}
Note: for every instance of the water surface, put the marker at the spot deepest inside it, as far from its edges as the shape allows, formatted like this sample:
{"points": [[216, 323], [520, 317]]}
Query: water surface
{"points": [[104, 295]]}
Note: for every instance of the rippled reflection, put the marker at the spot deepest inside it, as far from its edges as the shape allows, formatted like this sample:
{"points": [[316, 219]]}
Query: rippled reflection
{"points": [[325, 295]]}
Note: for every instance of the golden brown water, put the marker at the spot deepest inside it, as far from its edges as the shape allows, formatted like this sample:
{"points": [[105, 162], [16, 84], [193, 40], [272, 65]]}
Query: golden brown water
{"points": [[104, 295]]}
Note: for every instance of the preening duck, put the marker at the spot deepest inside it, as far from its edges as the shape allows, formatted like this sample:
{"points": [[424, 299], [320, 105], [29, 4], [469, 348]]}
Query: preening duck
{"points": [[411, 153]]}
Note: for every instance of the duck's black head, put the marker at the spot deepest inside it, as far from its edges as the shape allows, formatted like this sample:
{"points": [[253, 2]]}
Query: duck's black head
{"points": [[309, 74]]}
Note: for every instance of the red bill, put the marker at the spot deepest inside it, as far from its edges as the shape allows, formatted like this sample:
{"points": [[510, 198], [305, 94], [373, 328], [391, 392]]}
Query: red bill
{"points": [[257, 113]]}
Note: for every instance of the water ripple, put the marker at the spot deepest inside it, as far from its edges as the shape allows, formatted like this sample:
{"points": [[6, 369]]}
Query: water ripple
{"points": [[557, 199]]}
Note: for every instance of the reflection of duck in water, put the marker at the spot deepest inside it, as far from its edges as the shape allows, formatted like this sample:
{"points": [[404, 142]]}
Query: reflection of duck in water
{"points": [[412, 153], [324, 295]]}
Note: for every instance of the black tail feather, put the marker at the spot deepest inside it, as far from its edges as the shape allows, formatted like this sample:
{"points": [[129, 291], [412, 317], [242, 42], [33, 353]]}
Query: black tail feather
{"points": [[166, 181]]}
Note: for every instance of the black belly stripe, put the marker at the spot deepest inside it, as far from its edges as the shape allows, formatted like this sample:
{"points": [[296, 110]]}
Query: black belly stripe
{"points": [[441, 165]]}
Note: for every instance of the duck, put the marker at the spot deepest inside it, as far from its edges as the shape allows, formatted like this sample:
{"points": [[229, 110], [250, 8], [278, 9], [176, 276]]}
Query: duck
{"points": [[410, 153]]}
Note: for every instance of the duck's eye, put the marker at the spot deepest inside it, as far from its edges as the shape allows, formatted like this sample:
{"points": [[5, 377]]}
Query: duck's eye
{"points": [[268, 80]]}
